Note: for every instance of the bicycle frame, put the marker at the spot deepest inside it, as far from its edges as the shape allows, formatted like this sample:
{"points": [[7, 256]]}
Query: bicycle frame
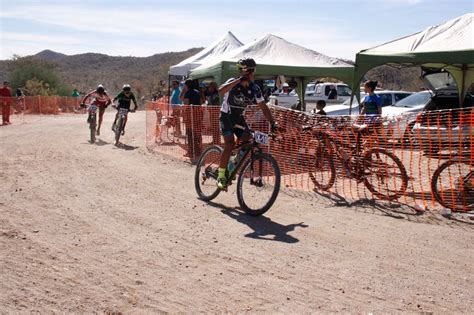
{"points": [[350, 155]]}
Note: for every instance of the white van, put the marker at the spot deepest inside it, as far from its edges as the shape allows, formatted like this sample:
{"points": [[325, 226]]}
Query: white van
{"points": [[320, 91]]}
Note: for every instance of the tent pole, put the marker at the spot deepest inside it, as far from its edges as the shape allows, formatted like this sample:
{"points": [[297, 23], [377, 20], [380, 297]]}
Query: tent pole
{"points": [[169, 92], [463, 83]]}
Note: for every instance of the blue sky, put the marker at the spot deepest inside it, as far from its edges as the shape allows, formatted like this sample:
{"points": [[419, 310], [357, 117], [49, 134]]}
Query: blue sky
{"points": [[338, 28]]}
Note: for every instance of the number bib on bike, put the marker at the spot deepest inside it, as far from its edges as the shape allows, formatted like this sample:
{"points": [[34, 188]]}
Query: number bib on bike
{"points": [[261, 138], [123, 111], [93, 109]]}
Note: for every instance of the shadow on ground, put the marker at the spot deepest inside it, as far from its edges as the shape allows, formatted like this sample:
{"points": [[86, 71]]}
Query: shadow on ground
{"points": [[263, 227], [393, 210]]}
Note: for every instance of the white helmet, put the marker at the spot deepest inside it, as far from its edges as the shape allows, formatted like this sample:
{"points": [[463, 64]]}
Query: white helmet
{"points": [[126, 87]]}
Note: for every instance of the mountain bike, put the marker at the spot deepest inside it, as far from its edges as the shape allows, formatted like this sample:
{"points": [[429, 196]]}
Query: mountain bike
{"points": [[91, 119], [120, 123], [258, 181], [381, 171], [452, 184]]}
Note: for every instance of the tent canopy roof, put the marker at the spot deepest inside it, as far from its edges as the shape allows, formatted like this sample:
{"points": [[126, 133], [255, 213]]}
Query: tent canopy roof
{"points": [[449, 45], [226, 43], [276, 56]]}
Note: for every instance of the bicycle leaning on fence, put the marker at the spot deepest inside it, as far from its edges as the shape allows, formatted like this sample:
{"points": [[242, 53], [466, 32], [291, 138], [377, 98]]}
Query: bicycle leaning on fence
{"points": [[258, 181], [381, 171], [452, 184]]}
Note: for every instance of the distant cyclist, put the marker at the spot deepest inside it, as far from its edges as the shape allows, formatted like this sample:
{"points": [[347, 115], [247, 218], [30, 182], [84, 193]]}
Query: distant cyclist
{"points": [[99, 98], [238, 94], [124, 99]]}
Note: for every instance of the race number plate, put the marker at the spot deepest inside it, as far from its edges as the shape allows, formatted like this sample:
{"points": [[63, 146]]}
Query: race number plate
{"points": [[123, 111], [261, 137], [93, 108]]}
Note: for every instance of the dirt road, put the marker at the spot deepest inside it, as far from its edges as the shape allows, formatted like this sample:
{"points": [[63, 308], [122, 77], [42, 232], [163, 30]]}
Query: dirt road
{"points": [[99, 228]]}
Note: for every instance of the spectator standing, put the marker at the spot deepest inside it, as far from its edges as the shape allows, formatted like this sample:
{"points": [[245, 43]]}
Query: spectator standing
{"points": [[176, 107], [192, 119], [75, 93], [20, 101], [332, 93], [5, 102], [213, 106]]}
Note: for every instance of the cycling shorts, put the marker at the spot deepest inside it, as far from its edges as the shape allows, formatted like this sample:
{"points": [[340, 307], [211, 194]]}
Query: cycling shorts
{"points": [[227, 123]]}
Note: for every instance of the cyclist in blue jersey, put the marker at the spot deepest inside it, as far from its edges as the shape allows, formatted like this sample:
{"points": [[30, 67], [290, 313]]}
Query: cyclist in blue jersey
{"points": [[238, 94]]}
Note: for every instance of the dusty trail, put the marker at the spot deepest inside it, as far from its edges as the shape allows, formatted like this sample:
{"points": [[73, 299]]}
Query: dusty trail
{"points": [[98, 228]]}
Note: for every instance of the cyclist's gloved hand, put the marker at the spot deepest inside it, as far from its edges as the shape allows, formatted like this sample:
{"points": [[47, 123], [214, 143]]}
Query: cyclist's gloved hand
{"points": [[243, 78], [82, 105], [274, 127]]}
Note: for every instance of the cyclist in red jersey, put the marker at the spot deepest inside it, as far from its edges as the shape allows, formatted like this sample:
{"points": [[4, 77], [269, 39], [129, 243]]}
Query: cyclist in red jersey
{"points": [[100, 99]]}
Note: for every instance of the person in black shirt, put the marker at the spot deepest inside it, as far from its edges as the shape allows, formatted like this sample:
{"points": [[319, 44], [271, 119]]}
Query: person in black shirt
{"points": [[191, 98], [332, 93], [213, 106], [124, 100], [320, 107]]}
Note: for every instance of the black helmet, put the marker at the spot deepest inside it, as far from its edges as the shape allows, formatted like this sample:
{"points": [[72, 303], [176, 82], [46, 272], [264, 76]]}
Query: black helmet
{"points": [[246, 63], [100, 89]]}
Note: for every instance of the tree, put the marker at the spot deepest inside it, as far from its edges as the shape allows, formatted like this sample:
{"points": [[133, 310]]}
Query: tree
{"points": [[36, 77]]}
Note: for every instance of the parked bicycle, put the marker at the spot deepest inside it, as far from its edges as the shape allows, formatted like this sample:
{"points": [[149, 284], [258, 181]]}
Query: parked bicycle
{"points": [[381, 171], [452, 184], [259, 179]]}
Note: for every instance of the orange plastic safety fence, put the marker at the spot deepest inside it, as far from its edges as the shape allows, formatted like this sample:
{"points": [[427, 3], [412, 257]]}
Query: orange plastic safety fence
{"points": [[420, 159], [27, 107]]}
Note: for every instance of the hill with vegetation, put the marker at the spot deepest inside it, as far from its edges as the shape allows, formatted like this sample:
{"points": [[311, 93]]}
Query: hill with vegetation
{"points": [[86, 71]]}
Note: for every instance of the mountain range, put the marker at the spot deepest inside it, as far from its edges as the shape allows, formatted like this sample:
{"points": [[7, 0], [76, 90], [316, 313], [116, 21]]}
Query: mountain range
{"points": [[86, 71]]}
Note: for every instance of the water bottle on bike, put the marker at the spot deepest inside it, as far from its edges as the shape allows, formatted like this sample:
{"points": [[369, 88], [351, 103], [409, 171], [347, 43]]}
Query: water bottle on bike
{"points": [[234, 161]]}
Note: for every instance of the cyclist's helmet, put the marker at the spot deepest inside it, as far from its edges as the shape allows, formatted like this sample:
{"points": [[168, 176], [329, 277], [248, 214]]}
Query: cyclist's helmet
{"points": [[126, 88], [245, 64], [100, 89]]}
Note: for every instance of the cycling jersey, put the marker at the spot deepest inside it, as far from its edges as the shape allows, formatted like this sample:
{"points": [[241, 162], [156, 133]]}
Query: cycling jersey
{"points": [[240, 97], [97, 99], [125, 100]]}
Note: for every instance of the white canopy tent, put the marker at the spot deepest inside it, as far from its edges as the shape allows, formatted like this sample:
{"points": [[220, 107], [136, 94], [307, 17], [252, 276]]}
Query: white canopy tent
{"points": [[276, 56], [448, 46], [226, 43]]}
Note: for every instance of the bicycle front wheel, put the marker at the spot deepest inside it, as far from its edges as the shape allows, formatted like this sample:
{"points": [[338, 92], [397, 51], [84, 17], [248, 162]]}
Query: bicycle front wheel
{"points": [[118, 129], [92, 127], [206, 173], [453, 185], [384, 174], [258, 185]]}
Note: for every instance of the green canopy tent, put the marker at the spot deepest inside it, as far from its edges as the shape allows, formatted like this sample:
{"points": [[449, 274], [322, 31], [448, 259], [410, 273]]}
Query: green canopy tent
{"points": [[276, 56], [448, 46]]}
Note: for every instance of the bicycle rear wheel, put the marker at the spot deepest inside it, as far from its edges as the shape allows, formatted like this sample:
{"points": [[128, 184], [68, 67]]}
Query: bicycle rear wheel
{"points": [[384, 174], [321, 165], [205, 176], [258, 185], [453, 185]]}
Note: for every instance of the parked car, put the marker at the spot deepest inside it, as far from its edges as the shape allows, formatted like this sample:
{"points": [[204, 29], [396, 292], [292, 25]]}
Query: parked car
{"points": [[320, 91], [402, 114], [388, 98], [283, 99], [443, 124]]}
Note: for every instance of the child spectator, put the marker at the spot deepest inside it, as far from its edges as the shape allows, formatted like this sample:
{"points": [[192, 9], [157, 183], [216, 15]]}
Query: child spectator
{"points": [[320, 107]]}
